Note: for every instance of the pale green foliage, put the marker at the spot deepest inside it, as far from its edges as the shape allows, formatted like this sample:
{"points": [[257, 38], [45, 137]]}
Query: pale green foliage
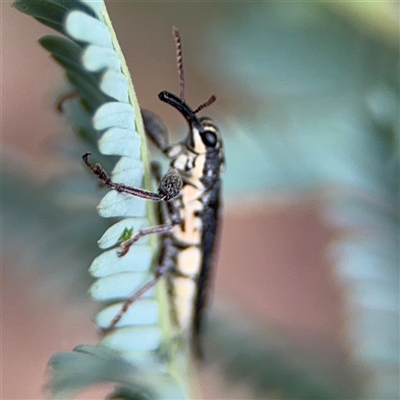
{"points": [[97, 70]]}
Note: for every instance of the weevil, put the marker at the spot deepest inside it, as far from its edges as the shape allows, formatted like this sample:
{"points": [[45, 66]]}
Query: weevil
{"points": [[190, 196]]}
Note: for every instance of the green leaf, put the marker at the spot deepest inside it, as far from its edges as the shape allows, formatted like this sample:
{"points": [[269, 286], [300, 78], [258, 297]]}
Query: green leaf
{"points": [[100, 75], [51, 12]]}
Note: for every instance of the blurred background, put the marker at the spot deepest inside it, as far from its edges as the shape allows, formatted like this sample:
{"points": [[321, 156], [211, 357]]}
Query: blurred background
{"points": [[308, 270]]}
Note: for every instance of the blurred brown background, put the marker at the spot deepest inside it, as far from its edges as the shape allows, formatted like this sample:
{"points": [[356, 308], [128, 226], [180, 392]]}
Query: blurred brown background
{"points": [[272, 263]]}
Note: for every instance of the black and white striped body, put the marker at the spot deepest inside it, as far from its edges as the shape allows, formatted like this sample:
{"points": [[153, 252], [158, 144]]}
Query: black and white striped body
{"points": [[198, 204]]}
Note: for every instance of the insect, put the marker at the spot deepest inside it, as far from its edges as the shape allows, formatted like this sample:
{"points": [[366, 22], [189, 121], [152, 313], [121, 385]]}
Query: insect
{"points": [[189, 196]]}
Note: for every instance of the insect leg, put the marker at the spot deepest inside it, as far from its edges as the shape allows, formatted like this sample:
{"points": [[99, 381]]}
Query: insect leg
{"points": [[130, 300], [165, 265], [61, 100], [171, 218], [143, 232], [169, 188]]}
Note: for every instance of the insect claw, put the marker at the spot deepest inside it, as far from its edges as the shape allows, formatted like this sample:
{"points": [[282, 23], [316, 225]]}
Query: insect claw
{"points": [[123, 251], [62, 99], [85, 158]]}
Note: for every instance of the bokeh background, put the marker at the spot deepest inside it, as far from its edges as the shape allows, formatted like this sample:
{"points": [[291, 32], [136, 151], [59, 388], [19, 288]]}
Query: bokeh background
{"points": [[308, 103]]}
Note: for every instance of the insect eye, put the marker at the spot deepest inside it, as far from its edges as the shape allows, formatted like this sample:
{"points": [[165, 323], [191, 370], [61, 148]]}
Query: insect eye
{"points": [[209, 138]]}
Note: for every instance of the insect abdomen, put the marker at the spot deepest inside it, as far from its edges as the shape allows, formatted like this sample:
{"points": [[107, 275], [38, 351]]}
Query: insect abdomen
{"points": [[193, 261]]}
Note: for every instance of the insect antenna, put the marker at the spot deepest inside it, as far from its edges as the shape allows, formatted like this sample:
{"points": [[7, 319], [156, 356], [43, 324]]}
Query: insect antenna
{"points": [[204, 105], [178, 48], [179, 61]]}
